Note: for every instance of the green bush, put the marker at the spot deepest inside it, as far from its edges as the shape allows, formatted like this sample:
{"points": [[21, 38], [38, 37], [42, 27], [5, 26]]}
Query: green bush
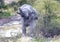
{"points": [[5, 14], [5, 6]]}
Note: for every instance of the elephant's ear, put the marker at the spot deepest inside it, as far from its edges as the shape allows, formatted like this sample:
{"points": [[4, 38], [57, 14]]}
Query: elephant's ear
{"points": [[34, 14]]}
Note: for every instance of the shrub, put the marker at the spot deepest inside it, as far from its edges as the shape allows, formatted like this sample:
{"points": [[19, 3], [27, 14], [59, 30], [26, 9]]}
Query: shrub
{"points": [[5, 14]]}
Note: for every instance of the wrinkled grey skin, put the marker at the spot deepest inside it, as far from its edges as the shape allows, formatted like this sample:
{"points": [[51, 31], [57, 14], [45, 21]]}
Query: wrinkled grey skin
{"points": [[29, 16]]}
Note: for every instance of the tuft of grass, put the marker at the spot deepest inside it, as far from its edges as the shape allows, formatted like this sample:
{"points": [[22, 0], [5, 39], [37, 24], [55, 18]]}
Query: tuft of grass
{"points": [[39, 40]]}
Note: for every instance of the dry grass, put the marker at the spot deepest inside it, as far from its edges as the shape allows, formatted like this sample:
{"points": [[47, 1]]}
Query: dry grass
{"points": [[56, 39]]}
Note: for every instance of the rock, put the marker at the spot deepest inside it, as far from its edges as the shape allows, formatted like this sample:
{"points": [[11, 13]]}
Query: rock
{"points": [[13, 23], [11, 28], [10, 33], [10, 19]]}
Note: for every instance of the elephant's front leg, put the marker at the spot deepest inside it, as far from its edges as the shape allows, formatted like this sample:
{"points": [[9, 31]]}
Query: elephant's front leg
{"points": [[24, 30], [32, 27]]}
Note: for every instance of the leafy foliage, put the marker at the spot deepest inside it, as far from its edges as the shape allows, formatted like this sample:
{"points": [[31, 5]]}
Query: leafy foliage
{"points": [[5, 14]]}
